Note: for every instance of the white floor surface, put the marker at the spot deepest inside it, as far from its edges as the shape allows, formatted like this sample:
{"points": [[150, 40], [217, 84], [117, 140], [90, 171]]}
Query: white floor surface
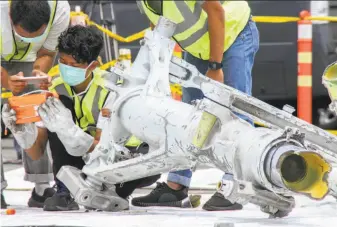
{"points": [[308, 213]]}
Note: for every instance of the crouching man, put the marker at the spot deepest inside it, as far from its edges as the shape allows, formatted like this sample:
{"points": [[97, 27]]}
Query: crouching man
{"points": [[72, 123]]}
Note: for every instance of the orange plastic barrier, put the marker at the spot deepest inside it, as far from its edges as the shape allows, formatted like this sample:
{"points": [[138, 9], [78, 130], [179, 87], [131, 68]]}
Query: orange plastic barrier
{"points": [[304, 61]]}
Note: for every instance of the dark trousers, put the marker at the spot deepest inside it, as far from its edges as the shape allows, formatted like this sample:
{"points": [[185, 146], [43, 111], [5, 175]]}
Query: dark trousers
{"points": [[62, 158]]}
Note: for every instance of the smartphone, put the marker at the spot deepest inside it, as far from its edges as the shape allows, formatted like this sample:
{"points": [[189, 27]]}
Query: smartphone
{"points": [[34, 79]]}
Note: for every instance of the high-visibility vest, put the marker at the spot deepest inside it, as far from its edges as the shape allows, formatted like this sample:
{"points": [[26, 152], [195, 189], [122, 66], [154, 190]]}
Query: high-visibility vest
{"points": [[192, 24], [87, 110], [9, 48]]}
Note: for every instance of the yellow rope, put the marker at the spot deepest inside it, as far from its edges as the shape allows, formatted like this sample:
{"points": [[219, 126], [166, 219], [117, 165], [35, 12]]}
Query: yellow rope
{"points": [[258, 19], [274, 19]]}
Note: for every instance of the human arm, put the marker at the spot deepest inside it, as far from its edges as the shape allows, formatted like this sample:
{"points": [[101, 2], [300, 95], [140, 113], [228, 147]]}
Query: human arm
{"points": [[46, 55], [44, 61], [216, 31], [60, 24], [58, 119], [42, 65], [4, 78], [31, 138], [13, 82], [103, 116]]}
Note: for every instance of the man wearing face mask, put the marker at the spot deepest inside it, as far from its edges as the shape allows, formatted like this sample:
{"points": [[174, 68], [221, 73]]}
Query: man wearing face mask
{"points": [[29, 32], [73, 123]]}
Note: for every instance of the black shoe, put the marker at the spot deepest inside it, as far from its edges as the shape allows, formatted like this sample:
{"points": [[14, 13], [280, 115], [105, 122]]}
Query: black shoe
{"points": [[37, 201], [163, 195], [218, 203], [61, 200], [3, 202]]}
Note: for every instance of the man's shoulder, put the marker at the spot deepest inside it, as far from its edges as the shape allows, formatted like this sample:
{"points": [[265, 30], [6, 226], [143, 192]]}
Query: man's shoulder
{"points": [[62, 9], [4, 7], [4, 3], [62, 6]]}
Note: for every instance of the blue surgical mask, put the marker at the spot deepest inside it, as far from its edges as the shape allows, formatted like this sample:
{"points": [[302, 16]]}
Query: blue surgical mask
{"points": [[37, 39], [72, 75]]}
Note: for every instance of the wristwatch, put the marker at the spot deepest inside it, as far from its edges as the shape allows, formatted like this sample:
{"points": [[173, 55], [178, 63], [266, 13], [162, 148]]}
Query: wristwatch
{"points": [[212, 65]]}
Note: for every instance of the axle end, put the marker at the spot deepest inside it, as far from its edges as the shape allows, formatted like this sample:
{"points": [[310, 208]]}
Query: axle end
{"points": [[306, 173]]}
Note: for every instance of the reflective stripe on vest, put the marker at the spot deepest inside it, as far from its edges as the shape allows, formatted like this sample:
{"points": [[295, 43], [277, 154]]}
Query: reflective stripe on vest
{"points": [[192, 25], [87, 111], [19, 50]]}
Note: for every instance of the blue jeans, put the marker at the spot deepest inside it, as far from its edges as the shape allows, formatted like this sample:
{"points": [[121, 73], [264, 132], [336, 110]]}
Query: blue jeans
{"points": [[237, 63]]}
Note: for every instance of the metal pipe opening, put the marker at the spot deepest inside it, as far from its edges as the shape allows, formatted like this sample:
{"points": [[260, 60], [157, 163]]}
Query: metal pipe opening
{"points": [[306, 172], [293, 168]]}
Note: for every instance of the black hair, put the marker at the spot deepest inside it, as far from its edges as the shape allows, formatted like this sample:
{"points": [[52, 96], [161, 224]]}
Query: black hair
{"points": [[82, 43], [30, 15]]}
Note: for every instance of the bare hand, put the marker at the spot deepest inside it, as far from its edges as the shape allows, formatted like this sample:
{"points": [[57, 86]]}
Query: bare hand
{"points": [[15, 84], [46, 83], [216, 75]]}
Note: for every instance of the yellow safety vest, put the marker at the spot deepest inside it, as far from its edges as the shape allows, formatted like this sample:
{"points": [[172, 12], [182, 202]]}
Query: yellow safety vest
{"points": [[192, 25], [9, 48], [87, 111]]}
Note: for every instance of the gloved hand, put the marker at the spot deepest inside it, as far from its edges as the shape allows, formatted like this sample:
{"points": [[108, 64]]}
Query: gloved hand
{"points": [[25, 134], [57, 118]]}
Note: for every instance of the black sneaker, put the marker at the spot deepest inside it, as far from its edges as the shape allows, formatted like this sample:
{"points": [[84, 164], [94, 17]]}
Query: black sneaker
{"points": [[61, 200], [218, 203], [3, 202], [37, 201], [163, 195]]}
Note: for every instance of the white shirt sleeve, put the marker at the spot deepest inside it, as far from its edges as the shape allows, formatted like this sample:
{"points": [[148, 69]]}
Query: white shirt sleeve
{"points": [[61, 23], [108, 105]]}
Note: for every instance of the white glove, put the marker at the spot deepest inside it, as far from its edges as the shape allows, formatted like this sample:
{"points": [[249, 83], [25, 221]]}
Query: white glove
{"points": [[57, 118], [25, 134]]}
